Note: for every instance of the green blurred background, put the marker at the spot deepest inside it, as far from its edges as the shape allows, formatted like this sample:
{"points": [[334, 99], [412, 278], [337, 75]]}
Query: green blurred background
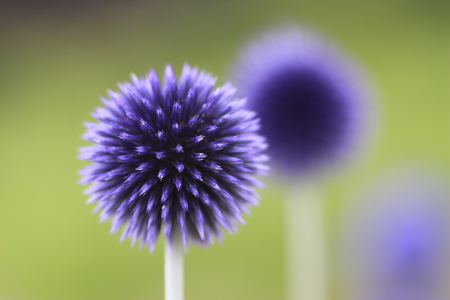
{"points": [[58, 57]]}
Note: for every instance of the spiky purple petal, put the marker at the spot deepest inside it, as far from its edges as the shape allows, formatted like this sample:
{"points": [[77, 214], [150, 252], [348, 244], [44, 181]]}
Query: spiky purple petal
{"points": [[176, 155], [309, 96]]}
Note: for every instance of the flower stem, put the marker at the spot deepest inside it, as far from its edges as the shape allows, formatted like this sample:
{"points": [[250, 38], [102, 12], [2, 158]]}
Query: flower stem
{"points": [[306, 255], [173, 269]]}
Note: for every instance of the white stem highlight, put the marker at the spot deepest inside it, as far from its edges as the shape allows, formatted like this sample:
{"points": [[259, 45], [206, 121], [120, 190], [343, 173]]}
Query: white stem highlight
{"points": [[173, 269], [306, 254]]}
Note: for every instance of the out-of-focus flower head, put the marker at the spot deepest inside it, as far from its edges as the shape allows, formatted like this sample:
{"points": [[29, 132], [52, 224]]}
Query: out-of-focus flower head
{"points": [[396, 239], [179, 155], [312, 99]]}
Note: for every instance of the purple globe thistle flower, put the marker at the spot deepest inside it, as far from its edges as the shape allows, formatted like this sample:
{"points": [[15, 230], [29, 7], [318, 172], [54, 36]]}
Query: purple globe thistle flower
{"points": [[395, 242], [179, 155], [309, 96]]}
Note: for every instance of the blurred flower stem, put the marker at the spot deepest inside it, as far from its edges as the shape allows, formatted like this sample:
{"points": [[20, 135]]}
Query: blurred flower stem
{"points": [[173, 268], [305, 243]]}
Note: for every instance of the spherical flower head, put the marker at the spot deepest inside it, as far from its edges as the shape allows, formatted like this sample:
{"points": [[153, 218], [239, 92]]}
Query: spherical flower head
{"points": [[309, 96], [181, 156], [396, 239]]}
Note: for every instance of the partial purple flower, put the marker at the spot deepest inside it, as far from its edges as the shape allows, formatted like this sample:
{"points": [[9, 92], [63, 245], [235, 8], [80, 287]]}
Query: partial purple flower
{"points": [[179, 155], [395, 239], [310, 97]]}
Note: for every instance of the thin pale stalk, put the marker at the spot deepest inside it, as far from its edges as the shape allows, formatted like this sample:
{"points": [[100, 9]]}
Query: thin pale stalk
{"points": [[173, 269], [306, 255]]}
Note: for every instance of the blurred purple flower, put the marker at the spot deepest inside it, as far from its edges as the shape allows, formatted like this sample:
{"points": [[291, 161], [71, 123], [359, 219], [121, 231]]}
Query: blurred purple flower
{"points": [[181, 155], [397, 240], [309, 96]]}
